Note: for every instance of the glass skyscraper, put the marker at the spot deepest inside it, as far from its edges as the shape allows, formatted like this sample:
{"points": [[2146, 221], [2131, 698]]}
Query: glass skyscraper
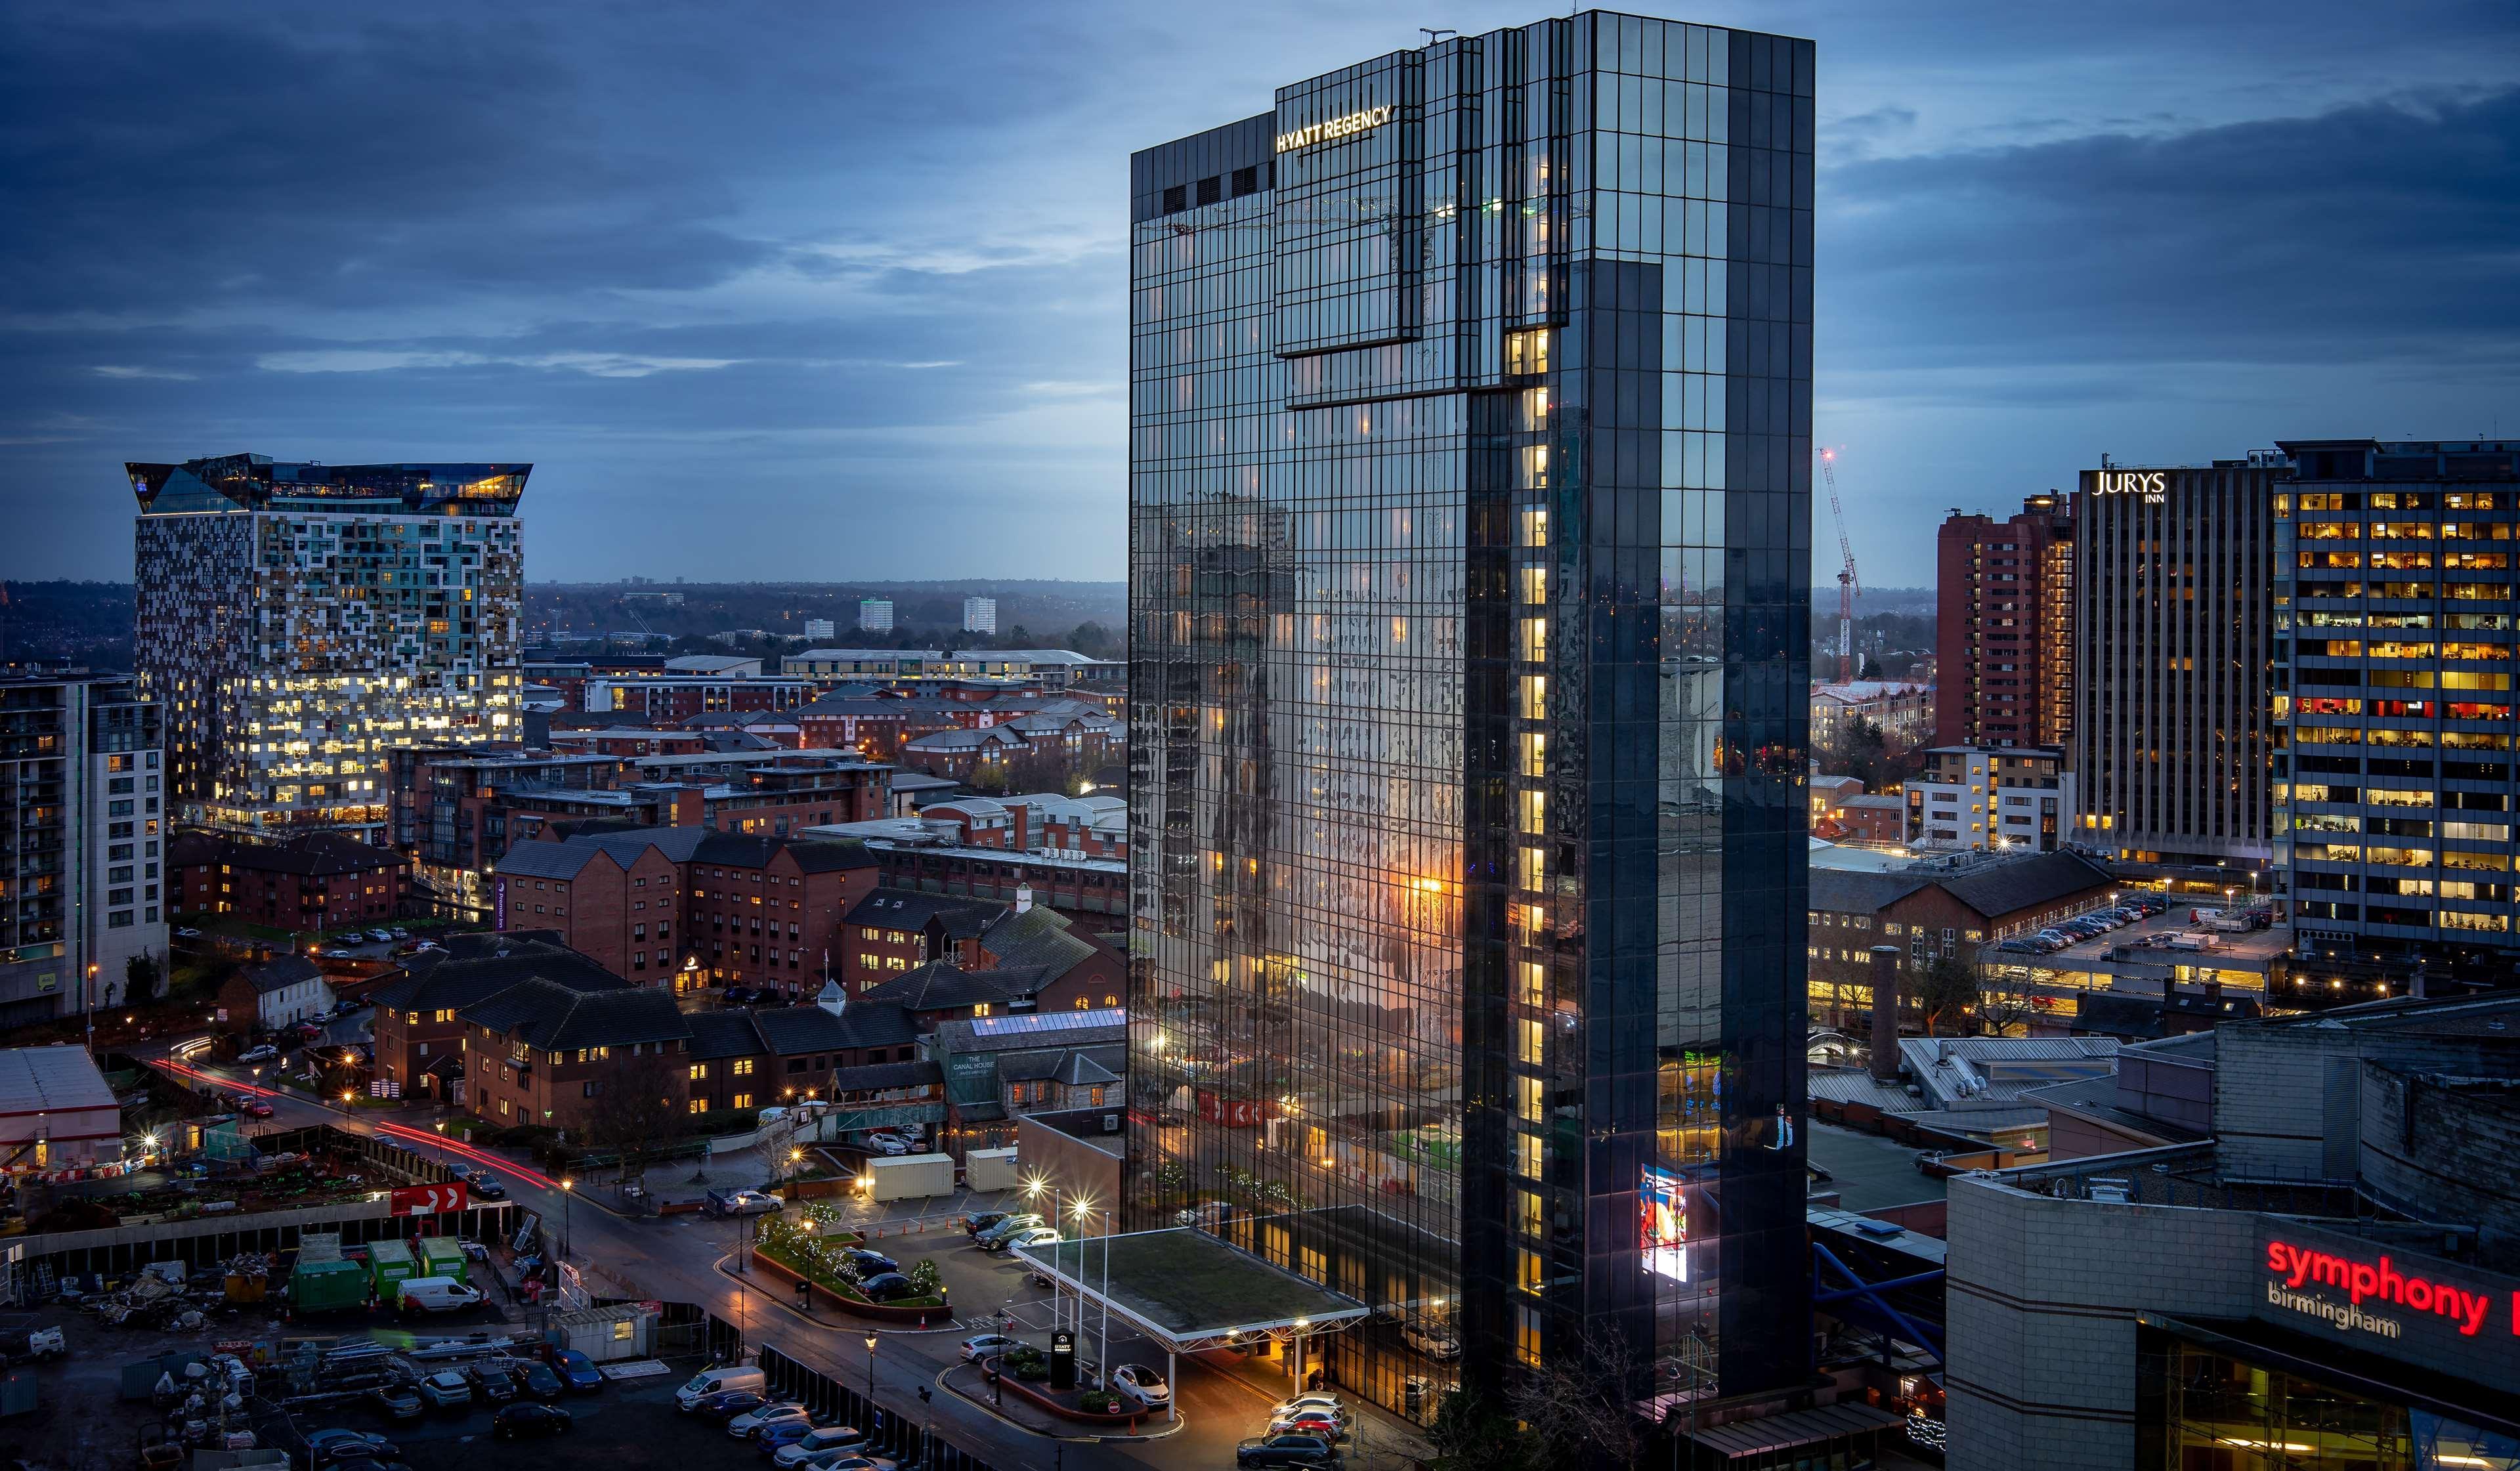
{"points": [[1470, 576]]}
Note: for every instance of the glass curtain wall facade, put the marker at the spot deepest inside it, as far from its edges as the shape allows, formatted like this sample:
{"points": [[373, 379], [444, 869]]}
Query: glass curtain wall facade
{"points": [[1469, 564]]}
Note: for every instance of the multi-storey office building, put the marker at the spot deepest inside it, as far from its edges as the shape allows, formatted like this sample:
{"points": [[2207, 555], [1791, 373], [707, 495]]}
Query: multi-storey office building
{"points": [[979, 616], [2174, 645], [1470, 587], [82, 867], [2004, 627], [2002, 799], [2393, 708], [875, 614], [299, 621]]}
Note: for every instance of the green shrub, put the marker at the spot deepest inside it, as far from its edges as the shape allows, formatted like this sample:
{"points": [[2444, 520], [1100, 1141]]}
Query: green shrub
{"points": [[1100, 1403]]}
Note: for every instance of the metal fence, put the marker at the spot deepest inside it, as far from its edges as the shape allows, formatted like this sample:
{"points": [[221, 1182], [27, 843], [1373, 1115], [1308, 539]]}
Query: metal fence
{"points": [[894, 1436]]}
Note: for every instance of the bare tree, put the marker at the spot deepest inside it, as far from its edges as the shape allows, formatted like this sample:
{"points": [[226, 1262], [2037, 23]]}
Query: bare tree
{"points": [[636, 1111], [1580, 1407]]}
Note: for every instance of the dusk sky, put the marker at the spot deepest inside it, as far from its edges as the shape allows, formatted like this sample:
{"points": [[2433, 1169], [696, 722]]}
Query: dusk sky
{"points": [[836, 291]]}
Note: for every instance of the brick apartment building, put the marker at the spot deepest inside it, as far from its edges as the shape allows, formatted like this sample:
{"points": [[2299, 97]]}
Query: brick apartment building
{"points": [[543, 1053], [1028, 959], [419, 1032], [2004, 627], [669, 698], [1926, 915], [456, 812], [689, 908], [834, 1051], [312, 882]]}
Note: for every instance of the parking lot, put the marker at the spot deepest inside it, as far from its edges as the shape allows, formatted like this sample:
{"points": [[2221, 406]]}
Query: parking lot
{"points": [[628, 1425]]}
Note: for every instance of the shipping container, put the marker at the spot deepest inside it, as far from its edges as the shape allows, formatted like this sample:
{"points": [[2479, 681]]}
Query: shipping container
{"points": [[990, 1169], [441, 1257], [391, 1265], [327, 1286], [911, 1177]]}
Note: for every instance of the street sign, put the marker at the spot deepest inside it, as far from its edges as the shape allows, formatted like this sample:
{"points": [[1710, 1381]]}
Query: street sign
{"points": [[428, 1200]]}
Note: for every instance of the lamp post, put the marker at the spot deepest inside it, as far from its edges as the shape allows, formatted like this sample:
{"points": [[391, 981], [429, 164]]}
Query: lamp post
{"points": [[869, 1343], [795, 1157], [568, 1193]]}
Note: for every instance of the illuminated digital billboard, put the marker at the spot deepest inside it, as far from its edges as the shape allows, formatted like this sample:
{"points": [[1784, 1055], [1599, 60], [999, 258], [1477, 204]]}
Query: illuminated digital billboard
{"points": [[1662, 1225]]}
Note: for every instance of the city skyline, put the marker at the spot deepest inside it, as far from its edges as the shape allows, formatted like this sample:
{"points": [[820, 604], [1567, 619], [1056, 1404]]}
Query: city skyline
{"points": [[807, 308]]}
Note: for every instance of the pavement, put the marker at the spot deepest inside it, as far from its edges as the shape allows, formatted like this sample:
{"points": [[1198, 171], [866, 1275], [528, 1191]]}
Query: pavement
{"points": [[683, 1258]]}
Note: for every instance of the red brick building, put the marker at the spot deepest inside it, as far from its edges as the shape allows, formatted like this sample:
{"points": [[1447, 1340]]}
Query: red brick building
{"points": [[1928, 914], [688, 907], [1872, 818], [1028, 959], [857, 1056], [312, 882], [543, 1053], [419, 1038], [2004, 627]]}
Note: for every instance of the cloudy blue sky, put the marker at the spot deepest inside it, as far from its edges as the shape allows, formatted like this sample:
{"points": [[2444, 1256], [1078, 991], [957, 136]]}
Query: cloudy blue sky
{"points": [[832, 289]]}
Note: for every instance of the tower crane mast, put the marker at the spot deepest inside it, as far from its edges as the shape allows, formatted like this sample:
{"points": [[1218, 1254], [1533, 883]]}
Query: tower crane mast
{"points": [[1847, 584]]}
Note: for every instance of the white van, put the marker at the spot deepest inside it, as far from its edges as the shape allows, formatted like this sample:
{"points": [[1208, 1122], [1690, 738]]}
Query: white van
{"points": [[434, 1295], [710, 1381]]}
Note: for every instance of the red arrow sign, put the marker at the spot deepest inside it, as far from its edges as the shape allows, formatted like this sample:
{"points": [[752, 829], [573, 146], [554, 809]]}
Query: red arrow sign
{"points": [[428, 1200]]}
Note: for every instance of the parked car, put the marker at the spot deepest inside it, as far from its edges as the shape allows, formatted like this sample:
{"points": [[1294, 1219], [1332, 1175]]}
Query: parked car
{"points": [[885, 1286], [1311, 1400], [539, 1382], [751, 1420], [446, 1389], [379, 936], [524, 1421], [980, 1221], [1031, 1235], [460, 1170], [1144, 1385], [395, 1401], [1330, 1427], [989, 1345], [1285, 1451], [184, 933], [2018, 948], [815, 1441], [726, 1404], [846, 1459], [742, 1203], [491, 1384], [574, 1369], [254, 1108], [1005, 1227], [327, 1446], [779, 1435], [399, 933], [263, 1054], [887, 1144], [869, 1263], [1432, 1340], [486, 1187]]}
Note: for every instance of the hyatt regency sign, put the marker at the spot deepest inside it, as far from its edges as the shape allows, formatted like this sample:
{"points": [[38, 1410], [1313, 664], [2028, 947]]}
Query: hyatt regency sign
{"points": [[1333, 129]]}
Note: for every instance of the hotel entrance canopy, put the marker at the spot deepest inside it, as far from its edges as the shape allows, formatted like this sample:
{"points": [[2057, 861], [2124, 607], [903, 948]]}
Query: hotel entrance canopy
{"points": [[1191, 1291]]}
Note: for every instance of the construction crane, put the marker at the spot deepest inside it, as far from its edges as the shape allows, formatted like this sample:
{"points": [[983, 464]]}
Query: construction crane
{"points": [[1846, 585]]}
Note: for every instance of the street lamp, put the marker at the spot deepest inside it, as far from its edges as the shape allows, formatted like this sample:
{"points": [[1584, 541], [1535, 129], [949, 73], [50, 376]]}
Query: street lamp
{"points": [[795, 1157], [869, 1343], [568, 1193]]}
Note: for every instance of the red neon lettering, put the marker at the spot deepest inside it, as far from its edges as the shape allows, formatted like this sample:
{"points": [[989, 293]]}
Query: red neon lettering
{"points": [[2384, 1282]]}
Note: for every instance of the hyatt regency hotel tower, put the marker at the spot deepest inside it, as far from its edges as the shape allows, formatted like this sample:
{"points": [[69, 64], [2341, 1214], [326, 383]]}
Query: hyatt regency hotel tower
{"points": [[1470, 584]]}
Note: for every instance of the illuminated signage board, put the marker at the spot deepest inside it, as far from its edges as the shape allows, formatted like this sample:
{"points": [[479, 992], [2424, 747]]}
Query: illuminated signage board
{"points": [[1662, 1225], [1332, 130], [2151, 484], [2335, 1287]]}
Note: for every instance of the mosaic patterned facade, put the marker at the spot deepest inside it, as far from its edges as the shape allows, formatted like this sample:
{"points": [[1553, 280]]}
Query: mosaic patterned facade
{"points": [[299, 621]]}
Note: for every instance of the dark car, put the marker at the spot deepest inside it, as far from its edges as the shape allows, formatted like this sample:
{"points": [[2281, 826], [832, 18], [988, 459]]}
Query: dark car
{"points": [[869, 1263], [325, 1448], [541, 1383], [486, 1187], [395, 1401], [574, 1368], [518, 1422], [885, 1286], [727, 1403], [1290, 1450], [370, 1463], [491, 1383]]}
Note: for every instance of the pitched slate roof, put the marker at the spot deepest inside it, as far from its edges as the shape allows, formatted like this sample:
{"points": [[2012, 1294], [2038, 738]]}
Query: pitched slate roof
{"points": [[1856, 891], [1080, 1067], [541, 859], [1038, 937], [455, 979], [723, 1034], [707, 845], [551, 1017], [943, 986], [910, 909], [313, 854], [281, 972], [790, 1030], [2026, 882]]}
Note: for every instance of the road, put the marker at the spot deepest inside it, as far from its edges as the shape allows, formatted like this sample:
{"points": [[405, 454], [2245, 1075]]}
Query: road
{"points": [[684, 1257]]}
